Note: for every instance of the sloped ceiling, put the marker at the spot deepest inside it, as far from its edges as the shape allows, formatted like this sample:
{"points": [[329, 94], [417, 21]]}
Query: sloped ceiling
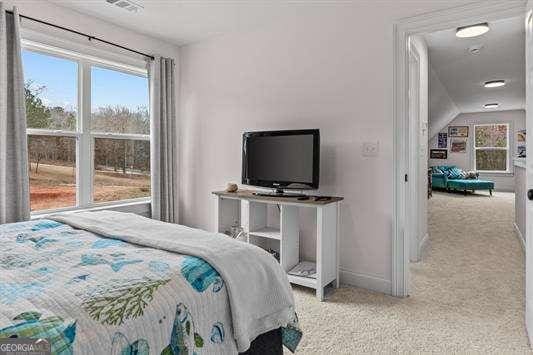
{"points": [[442, 109]]}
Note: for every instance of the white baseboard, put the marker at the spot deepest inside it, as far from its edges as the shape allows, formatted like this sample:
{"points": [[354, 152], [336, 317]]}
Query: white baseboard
{"points": [[520, 237], [369, 282], [505, 189], [422, 245]]}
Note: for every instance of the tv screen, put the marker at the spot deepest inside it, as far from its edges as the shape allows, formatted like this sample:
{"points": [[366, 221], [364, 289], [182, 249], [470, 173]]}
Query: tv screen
{"points": [[281, 159]]}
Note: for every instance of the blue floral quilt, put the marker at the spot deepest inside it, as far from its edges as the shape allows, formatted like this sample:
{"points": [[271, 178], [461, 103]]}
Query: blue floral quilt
{"points": [[93, 295]]}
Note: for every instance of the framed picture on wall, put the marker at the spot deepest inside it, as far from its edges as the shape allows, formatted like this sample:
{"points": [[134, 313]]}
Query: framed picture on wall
{"points": [[438, 154], [443, 140], [521, 151], [521, 136], [458, 145], [458, 131]]}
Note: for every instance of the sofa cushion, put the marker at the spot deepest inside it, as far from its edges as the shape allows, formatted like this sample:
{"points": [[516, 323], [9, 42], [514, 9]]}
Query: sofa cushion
{"points": [[463, 184]]}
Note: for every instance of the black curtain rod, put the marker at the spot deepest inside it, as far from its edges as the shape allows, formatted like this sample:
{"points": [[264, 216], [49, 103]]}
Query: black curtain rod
{"points": [[90, 37]]}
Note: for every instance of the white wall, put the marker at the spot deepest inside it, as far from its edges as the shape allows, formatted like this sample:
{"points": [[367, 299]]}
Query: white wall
{"points": [[332, 71], [516, 120]]}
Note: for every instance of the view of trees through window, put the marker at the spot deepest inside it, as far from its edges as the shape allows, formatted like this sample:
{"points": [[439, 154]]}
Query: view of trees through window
{"points": [[119, 110], [121, 162], [491, 147], [122, 169], [52, 171]]}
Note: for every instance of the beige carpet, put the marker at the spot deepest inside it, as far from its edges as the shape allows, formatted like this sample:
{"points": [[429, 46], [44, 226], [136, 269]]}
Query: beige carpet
{"points": [[466, 295]]}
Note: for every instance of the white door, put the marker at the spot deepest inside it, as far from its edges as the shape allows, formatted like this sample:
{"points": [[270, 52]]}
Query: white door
{"points": [[529, 172]]}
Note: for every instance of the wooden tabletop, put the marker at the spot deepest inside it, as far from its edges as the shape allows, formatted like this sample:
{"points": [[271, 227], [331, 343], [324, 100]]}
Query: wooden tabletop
{"points": [[249, 195]]}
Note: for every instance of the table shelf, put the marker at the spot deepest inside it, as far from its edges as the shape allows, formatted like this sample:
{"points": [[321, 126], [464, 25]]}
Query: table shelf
{"points": [[267, 232], [259, 218]]}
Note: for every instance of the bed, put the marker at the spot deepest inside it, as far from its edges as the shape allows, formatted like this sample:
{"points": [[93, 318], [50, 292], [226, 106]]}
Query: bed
{"points": [[99, 292]]}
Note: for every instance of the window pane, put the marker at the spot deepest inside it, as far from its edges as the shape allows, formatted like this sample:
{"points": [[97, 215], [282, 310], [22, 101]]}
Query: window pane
{"points": [[52, 172], [491, 159], [119, 102], [50, 90], [491, 136], [122, 169]]}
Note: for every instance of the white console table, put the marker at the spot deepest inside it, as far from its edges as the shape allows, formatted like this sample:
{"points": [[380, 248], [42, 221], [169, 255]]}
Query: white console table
{"points": [[251, 213]]}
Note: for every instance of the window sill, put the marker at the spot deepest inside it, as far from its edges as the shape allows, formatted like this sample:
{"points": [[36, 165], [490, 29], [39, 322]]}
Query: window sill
{"points": [[139, 206], [495, 173]]}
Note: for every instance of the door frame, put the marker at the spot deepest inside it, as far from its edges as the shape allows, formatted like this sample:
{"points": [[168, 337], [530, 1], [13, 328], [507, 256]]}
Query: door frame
{"points": [[529, 123], [414, 141], [404, 28]]}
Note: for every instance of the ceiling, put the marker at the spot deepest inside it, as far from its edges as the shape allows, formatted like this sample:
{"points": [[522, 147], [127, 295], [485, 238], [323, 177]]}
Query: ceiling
{"points": [[463, 74], [185, 21]]}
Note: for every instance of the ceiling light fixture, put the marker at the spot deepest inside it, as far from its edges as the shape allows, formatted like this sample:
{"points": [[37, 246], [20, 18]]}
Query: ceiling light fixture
{"points": [[493, 105], [494, 83], [472, 30]]}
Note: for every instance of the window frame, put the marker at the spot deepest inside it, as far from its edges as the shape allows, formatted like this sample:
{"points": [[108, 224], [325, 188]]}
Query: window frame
{"points": [[85, 139], [506, 149]]}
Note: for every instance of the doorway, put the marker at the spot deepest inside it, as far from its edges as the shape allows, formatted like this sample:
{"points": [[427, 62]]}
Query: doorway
{"points": [[406, 204]]}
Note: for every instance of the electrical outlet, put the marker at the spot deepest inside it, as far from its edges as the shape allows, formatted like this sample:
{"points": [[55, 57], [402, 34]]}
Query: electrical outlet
{"points": [[370, 149]]}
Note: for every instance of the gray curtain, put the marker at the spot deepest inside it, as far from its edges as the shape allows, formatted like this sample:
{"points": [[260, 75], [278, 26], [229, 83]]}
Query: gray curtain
{"points": [[164, 144], [14, 179]]}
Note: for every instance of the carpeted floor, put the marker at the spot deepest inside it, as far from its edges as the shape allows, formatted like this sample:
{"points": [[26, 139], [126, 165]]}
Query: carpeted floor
{"points": [[467, 295]]}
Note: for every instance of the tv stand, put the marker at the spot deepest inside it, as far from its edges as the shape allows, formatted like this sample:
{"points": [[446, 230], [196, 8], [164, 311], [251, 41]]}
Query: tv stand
{"points": [[258, 216], [278, 193]]}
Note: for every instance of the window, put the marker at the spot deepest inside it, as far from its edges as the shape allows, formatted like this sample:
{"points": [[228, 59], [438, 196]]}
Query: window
{"points": [[51, 96], [491, 147], [85, 147], [120, 123]]}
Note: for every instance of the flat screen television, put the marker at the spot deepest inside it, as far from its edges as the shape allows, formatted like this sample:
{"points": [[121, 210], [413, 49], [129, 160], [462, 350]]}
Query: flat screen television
{"points": [[281, 159]]}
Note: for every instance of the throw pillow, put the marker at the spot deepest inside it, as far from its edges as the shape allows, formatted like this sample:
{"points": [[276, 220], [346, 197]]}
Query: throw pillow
{"points": [[471, 175], [456, 173]]}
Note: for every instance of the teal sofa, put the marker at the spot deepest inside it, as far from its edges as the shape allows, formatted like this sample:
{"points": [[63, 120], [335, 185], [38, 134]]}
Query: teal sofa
{"points": [[449, 177]]}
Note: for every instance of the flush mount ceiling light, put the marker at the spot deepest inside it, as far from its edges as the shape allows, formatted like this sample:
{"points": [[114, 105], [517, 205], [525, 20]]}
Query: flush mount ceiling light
{"points": [[494, 83], [472, 30], [126, 4], [493, 105]]}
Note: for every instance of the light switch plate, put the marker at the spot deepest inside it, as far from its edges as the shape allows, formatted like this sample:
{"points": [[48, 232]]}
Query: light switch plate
{"points": [[370, 149]]}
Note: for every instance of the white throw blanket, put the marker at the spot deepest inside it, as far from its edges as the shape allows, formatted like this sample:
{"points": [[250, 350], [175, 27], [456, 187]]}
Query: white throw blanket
{"points": [[259, 292]]}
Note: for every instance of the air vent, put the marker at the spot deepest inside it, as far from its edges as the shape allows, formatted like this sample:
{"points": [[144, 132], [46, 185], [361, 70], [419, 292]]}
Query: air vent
{"points": [[475, 49], [126, 4]]}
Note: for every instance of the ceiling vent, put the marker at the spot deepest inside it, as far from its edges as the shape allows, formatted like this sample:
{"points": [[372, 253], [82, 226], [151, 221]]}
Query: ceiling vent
{"points": [[126, 4], [475, 49]]}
